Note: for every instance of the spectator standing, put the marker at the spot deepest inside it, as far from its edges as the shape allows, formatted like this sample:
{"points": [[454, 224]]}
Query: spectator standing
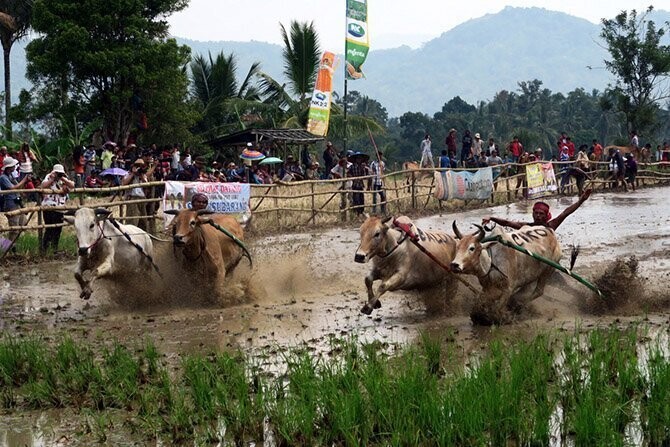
{"points": [[617, 168], [634, 141], [631, 170], [492, 146], [356, 172], [3, 154], [451, 143], [477, 148], [466, 147], [12, 201], [305, 158], [136, 176], [597, 150], [176, 158], [338, 172], [89, 160], [59, 185], [26, 157], [515, 148], [93, 180], [329, 157], [106, 156], [377, 166], [494, 160], [426, 153]]}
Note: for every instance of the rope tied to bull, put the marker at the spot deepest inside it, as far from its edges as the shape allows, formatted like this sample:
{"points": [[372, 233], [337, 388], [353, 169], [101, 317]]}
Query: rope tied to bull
{"points": [[135, 244], [499, 239], [234, 238], [414, 238]]}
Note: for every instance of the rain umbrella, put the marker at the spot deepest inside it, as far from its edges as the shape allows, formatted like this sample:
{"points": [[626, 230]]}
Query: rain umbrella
{"points": [[270, 161], [113, 171], [359, 155], [250, 154]]}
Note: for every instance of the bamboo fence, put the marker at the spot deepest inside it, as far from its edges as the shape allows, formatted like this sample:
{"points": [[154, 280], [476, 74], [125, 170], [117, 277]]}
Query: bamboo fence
{"points": [[285, 206]]}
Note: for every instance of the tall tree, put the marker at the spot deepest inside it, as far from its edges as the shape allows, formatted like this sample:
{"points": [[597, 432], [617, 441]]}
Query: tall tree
{"points": [[114, 60], [15, 18], [215, 87], [641, 64]]}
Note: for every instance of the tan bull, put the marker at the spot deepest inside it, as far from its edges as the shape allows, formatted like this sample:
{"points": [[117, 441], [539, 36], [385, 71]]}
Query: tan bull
{"points": [[509, 278], [208, 251], [397, 262]]}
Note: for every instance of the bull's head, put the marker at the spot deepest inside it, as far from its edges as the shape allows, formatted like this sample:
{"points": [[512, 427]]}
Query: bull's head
{"points": [[184, 223], [471, 255], [87, 226], [375, 240]]}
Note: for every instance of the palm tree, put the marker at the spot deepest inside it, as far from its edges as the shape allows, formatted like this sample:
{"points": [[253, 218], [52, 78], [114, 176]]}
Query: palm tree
{"points": [[289, 103], [15, 16], [216, 88]]}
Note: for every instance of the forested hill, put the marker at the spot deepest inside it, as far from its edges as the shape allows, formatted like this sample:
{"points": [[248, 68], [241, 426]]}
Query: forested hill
{"points": [[473, 60]]}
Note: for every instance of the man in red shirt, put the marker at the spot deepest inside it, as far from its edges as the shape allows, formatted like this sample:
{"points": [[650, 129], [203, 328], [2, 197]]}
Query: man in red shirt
{"points": [[597, 150], [516, 148]]}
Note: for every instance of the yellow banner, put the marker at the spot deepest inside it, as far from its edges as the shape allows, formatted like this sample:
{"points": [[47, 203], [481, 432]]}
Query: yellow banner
{"points": [[319, 107], [541, 179]]}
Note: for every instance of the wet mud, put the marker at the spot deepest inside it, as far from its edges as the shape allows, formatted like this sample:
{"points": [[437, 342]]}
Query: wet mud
{"points": [[305, 288]]}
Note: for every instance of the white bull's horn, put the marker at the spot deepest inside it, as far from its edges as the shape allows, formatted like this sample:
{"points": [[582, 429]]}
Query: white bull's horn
{"points": [[457, 232]]}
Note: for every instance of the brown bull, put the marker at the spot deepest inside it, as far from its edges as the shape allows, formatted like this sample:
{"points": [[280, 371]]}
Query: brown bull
{"points": [[397, 262], [207, 249], [508, 278]]}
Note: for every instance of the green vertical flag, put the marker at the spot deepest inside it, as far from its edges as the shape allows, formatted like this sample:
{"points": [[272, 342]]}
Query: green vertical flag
{"points": [[357, 41]]}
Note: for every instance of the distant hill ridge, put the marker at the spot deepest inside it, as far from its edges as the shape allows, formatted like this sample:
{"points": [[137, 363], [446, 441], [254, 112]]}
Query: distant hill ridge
{"points": [[474, 60]]}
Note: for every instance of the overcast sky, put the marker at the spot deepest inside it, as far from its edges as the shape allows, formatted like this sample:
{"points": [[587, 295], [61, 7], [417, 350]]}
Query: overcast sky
{"points": [[391, 22]]}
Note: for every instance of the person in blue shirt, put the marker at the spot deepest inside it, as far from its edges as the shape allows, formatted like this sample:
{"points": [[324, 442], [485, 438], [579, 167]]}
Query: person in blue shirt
{"points": [[444, 160]]}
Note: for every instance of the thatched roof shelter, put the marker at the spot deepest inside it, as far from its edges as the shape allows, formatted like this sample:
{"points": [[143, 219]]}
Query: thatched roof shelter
{"points": [[275, 141]]}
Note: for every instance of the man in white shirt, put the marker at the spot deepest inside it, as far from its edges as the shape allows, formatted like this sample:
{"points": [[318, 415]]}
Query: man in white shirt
{"points": [[60, 185]]}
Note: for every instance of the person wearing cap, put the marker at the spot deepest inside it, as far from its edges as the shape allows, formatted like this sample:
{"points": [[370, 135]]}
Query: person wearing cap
{"points": [[477, 144], [377, 166], [59, 184], [329, 158], [12, 201], [542, 215], [136, 176], [539, 154]]}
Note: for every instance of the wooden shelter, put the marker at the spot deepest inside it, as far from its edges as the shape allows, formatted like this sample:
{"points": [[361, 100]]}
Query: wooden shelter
{"points": [[274, 142]]}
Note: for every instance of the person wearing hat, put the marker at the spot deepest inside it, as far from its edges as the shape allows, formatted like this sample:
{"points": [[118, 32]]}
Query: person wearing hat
{"points": [[12, 201], [426, 152], [199, 201], [541, 215], [477, 144], [136, 176], [59, 184]]}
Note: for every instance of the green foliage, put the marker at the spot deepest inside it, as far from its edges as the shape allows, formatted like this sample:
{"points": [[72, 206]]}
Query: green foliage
{"points": [[111, 60], [641, 64]]}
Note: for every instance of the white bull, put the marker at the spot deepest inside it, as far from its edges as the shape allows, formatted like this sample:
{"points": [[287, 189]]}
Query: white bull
{"points": [[508, 277], [397, 262], [104, 251]]}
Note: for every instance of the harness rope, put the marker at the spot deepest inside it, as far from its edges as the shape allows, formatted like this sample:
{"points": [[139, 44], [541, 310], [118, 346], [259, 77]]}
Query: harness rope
{"points": [[405, 228], [557, 266], [135, 244], [234, 238]]}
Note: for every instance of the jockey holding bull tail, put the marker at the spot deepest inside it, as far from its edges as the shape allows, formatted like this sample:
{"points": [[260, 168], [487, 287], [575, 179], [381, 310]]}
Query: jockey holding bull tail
{"points": [[541, 215]]}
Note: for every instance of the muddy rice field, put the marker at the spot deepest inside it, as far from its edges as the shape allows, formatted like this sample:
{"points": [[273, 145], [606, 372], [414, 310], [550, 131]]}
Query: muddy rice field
{"points": [[305, 288]]}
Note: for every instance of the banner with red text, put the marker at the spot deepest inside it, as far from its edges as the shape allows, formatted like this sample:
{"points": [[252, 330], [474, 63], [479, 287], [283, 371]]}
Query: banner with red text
{"points": [[226, 198]]}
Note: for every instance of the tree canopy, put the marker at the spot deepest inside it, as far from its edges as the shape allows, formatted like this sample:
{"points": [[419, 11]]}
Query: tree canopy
{"points": [[641, 64], [112, 59]]}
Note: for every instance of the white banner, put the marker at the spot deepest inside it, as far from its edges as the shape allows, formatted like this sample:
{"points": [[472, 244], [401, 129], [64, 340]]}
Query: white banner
{"points": [[226, 198], [464, 185]]}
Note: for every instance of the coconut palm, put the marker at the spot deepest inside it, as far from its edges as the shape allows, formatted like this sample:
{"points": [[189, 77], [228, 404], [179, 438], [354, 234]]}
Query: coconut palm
{"points": [[289, 103], [215, 86], [15, 16]]}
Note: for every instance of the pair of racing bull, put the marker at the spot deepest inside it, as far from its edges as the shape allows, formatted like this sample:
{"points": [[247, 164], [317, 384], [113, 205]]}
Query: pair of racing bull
{"points": [[211, 245], [404, 257]]}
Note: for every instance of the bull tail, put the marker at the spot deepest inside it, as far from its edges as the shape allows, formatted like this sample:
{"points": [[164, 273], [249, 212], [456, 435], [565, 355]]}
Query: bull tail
{"points": [[573, 255]]}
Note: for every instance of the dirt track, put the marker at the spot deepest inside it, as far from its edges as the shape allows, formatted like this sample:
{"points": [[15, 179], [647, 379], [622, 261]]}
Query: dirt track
{"points": [[305, 287]]}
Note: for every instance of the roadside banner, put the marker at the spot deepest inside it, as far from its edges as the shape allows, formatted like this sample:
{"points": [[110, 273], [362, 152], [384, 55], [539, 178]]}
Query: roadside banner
{"points": [[319, 107], [464, 185], [541, 180], [357, 42], [225, 198]]}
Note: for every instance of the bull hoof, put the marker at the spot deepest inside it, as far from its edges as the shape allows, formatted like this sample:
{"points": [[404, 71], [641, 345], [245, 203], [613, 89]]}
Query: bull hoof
{"points": [[378, 304], [367, 310], [85, 294]]}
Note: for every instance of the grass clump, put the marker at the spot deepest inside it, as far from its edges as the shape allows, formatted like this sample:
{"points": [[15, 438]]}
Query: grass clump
{"points": [[586, 389]]}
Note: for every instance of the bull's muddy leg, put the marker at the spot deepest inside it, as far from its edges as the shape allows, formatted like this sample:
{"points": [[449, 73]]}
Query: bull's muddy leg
{"points": [[373, 303], [389, 285], [83, 284]]}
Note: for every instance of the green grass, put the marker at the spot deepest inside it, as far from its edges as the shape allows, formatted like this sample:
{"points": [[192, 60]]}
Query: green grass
{"points": [[28, 245], [425, 394]]}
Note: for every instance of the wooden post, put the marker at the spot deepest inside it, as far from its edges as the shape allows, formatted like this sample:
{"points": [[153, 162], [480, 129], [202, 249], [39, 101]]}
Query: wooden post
{"points": [[313, 205], [509, 192], [40, 231], [413, 189]]}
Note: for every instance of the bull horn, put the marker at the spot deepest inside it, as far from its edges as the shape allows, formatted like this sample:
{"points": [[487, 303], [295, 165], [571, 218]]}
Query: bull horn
{"points": [[480, 232], [204, 212], [69, 212], [457, 232], [386, 219], [102, 212], [171, 212]]}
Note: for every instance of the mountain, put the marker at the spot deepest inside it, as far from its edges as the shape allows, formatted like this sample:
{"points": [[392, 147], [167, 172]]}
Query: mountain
{"points": [[473, 60]]}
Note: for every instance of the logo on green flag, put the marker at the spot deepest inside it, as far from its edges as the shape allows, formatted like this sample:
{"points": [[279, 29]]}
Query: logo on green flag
{"points": [[357, 42]]}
